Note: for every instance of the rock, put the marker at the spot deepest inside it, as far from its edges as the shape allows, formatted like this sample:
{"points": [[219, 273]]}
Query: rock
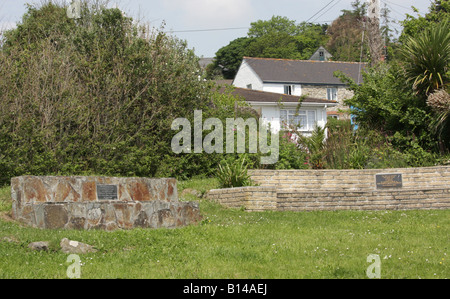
{"points": [[69, 246], [191, 192], [39, 246], [11, 239]]}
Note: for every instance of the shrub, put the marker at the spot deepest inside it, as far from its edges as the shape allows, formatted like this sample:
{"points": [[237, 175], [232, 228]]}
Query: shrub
{"points": [[98, 95], [234, 174]]}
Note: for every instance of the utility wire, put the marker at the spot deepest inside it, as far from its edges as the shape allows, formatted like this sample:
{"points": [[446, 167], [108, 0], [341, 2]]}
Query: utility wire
{"points": [[207, 30], [402, 6], [327, 10], [320, 10]]}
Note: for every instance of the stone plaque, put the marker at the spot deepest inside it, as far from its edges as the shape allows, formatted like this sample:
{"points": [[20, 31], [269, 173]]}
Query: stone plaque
{"points": [[107, 192], [394, 180]]}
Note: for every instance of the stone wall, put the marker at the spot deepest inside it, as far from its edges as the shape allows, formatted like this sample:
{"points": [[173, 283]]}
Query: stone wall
{"points": [[363, 179], [78, 203], [320, 92], [251, 198], [310, 190]]}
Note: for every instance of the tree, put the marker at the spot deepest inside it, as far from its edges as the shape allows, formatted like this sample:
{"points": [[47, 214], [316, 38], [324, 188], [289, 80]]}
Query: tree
{"points": [[439, 11], [278, 37], [276, 24], [310, 38], [427, 58], [274, 45], [229, 58], [345, 34], [97, 95]]}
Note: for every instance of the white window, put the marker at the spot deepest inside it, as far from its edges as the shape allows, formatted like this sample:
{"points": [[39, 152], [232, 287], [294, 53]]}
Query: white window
{"points": [[305, 120], [332, 94], [289, 89]]}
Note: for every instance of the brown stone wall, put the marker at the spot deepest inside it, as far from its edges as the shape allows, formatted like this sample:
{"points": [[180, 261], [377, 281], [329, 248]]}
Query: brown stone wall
{"points": [[72, 203], [320, 92]]}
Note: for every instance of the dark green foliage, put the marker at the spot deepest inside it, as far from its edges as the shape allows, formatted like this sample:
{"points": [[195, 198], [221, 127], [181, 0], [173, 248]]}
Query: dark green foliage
{"points": [[427, 58], [97, 95], [278, 37]]}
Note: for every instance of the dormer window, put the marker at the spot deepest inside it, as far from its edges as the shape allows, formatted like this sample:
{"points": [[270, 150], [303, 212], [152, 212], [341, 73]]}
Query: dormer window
{"points": [[288, 89]]}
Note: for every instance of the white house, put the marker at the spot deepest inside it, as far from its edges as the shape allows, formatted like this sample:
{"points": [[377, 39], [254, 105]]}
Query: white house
{"points": [[314, 79], [281, 110]]}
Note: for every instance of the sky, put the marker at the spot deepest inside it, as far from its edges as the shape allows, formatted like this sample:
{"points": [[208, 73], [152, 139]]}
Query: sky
{"points": [[208, 25]]}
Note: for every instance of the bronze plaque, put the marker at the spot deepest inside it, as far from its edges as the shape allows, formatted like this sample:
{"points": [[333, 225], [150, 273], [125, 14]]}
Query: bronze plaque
{"points": [[107, 192], [394, 180]]}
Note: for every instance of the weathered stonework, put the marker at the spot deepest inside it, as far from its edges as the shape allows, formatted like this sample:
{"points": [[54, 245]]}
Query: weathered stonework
{"points": [[320, 92], [72, 203]]}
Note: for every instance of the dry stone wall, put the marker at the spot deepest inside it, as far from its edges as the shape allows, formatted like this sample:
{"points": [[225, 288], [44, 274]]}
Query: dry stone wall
{"points": [[99, 203]]}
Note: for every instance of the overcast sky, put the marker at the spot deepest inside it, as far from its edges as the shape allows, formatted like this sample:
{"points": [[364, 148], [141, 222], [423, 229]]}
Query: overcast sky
{"points": [[211, 24]]}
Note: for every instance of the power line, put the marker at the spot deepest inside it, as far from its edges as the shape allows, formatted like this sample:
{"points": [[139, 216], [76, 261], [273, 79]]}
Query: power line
{"points": [[327, 10], [208, 30], [320, 10], [402, 6]]}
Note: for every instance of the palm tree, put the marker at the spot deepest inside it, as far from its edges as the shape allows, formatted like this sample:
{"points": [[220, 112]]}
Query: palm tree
{"points": [[439, 101], [427, 58]]}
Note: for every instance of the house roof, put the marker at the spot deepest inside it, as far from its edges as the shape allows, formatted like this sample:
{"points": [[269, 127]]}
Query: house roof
{"points": [[303, 71], [251, 95], [203, 62]]}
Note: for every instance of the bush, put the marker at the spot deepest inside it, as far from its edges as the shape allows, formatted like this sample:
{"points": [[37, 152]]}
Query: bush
{"points": [[98, 95], [234, 174]]}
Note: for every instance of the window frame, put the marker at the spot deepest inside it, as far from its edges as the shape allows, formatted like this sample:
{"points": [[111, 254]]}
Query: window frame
{"points": [[285, 123], [289, 89], [332, 93]]}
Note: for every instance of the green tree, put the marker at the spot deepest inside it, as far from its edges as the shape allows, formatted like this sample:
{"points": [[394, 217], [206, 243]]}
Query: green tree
{"points": [[278, 37], [345, 34], [97, 95], [229, 58], [439, 11], [276, 24], [274, 45], [385, 103], [310, 38], [427, 58]]}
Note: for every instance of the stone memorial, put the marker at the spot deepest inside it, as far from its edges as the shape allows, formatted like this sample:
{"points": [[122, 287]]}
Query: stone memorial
{"points": [[108, 203]]}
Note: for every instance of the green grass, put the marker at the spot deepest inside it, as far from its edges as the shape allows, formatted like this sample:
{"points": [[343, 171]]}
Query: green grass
{"points": [[231, 243]]}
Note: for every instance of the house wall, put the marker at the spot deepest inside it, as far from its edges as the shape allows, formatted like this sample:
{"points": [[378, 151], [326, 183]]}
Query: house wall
{"points": [[320, 92], [271, 114], [279, 88], [246, 76]]}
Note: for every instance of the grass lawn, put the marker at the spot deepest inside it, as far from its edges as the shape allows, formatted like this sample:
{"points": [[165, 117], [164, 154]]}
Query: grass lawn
{"points": [[235, 244]]}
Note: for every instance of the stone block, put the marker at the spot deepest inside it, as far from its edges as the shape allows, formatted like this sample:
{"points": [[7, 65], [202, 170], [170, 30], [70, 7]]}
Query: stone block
{"points": [[55, 216]]}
